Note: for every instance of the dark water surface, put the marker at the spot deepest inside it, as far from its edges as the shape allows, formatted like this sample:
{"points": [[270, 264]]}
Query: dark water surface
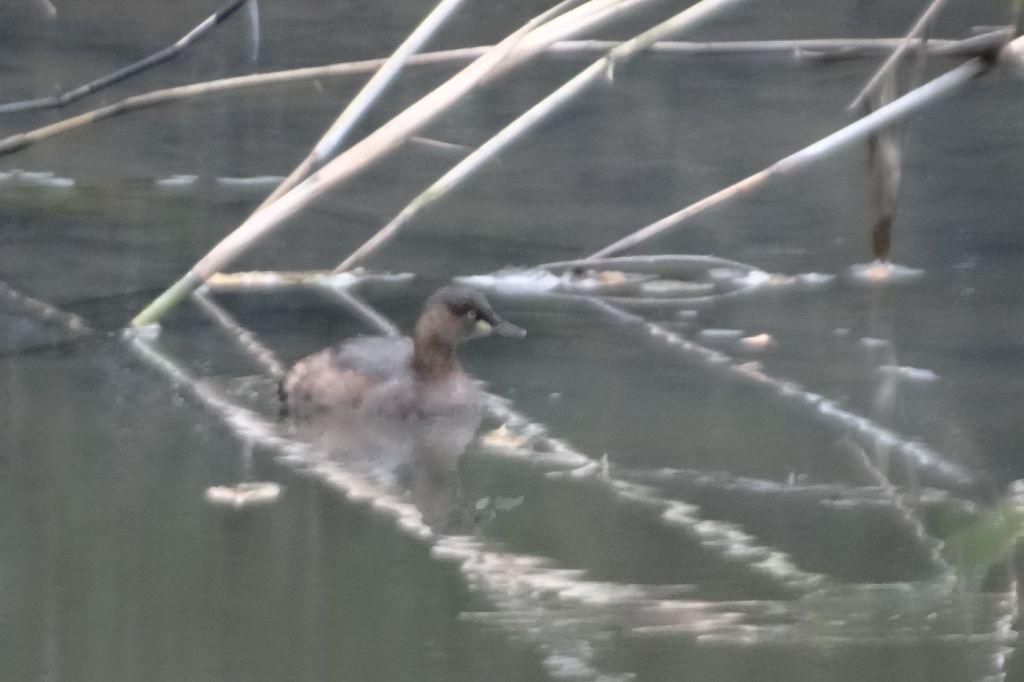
{"points": [[740, 530]]}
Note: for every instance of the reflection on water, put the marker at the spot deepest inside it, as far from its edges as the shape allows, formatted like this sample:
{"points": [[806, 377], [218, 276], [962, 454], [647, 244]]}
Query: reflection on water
{"points": [[771, 463], [415, 458], [399, 409]]}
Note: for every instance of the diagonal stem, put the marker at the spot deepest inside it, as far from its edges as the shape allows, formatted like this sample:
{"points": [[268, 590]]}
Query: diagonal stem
{"points": [[909, 41], [361, 103], [985, 43], [169, 52], [529, 120], [900, 108], [512, 51]]}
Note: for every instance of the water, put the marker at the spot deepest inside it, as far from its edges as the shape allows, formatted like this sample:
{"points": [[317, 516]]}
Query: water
{"points": [[738, 528]]}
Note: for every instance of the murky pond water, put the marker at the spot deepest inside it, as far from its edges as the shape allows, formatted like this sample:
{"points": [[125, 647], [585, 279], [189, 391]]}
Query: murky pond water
{"points": [[752, 484]]}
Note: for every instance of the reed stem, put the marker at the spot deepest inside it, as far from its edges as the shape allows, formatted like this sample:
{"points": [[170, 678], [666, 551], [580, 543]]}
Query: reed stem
{"points": [[370, 93], [529, 120], [514, 50], [969, 47], [919, 27], [927, 94], [167, 53]]}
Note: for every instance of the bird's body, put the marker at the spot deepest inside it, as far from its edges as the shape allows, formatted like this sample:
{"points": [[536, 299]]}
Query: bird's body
{"points": [[385, 401]]}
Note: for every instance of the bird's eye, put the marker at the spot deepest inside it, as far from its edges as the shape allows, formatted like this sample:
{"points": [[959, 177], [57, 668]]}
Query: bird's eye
{"points": [[473, 315]]}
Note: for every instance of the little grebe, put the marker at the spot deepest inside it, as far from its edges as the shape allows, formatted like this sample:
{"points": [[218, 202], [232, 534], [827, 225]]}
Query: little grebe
{"points": [[379, 397]]}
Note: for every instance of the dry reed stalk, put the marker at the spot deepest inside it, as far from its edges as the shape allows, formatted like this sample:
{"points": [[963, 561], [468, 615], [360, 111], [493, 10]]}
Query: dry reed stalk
{"points": [[323, 282], [284, 280], [169, 52], [886, 150], [527, 121], [263, 280], [969, 47], [860, 129], [512, 51], [364, 99], [919, 27], [825, 47], [18, 141]]}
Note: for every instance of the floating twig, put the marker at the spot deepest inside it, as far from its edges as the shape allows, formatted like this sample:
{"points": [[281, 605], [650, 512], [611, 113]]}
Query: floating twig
{"points": [[282, 280], [73, 95], [334, 287], [675, 265], [512, 51], [262, 280], [927, 94], [526, 122]]}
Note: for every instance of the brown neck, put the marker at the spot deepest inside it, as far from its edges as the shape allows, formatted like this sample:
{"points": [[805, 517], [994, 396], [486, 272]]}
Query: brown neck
{"points": [[434, 343]]}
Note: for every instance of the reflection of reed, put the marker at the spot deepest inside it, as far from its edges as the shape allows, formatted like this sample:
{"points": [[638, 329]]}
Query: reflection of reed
{"points": [[916, 453], [727, 541], [530, 442], [518, 585], [918, 456], [247, 341], [567, 616], [559, 610], [43, 311]]}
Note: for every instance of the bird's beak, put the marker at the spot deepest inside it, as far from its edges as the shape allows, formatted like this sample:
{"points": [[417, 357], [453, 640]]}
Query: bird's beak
{"points": [[506, 328], [500, 327]]}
